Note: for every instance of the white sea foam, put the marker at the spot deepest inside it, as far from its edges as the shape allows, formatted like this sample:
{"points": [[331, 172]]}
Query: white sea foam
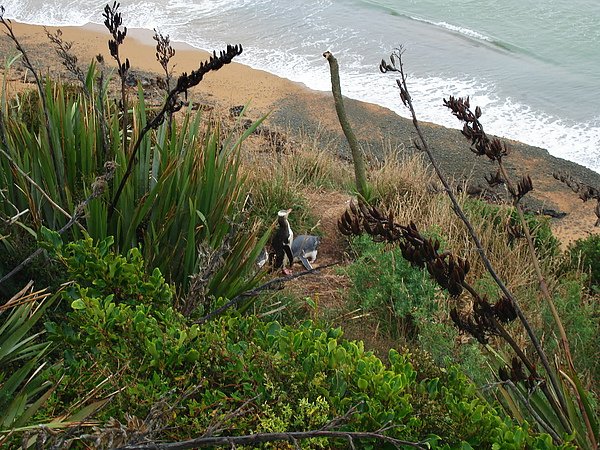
{"points": [[455, 28], [53, 12], [287, 39]]}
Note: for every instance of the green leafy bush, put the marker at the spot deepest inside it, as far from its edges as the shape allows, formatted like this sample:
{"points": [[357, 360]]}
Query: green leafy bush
{"points": [[385, 282], [587, 251], [294, 378], [102, 272]]}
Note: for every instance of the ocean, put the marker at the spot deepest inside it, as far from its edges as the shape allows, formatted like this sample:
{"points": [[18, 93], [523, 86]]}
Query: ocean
{"points": [[533, 66]]}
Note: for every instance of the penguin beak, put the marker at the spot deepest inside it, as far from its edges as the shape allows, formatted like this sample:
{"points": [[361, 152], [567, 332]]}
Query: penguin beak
{"points": [[289, 210]]}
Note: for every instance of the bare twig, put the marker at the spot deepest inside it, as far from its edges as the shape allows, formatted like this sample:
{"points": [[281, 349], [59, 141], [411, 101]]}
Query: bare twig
{"points": [[339, 421], [63, 50], [219, 425], [255, 439], [69, 60]]}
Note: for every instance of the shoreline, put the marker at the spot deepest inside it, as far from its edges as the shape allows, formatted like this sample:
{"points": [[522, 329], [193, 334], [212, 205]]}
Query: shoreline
{"points": [[295, 108]]}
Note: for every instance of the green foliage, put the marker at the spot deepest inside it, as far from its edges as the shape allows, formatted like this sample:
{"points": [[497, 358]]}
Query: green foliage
{"points": [[442, 342], [587, 252], [579, 314], [546, 245], [23, 389], [102, 272], [185, 188], [118, 314], [297, 378], [384, 281]]}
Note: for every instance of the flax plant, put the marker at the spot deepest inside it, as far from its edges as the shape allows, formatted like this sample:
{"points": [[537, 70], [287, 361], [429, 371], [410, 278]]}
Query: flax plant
{"points": [[22, 389], [550, 395], [176, 184]]}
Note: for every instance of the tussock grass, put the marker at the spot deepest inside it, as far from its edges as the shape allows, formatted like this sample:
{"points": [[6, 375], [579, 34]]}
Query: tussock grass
{"points": [[280, 176], [306, 160], [405, 185]]}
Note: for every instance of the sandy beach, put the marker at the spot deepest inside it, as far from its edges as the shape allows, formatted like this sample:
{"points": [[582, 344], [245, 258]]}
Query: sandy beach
{"points": [[294, 108]]}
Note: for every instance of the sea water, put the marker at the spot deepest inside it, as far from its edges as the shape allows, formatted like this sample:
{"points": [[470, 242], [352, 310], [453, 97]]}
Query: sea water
{"points": [[533, 66]]}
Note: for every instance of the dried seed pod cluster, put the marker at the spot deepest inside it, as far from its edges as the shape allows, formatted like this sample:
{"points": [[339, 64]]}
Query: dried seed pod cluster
{"points": [[113, 21], [216, 61], [524, 186], [504, 310], [448, 270], [395, 65], [494, 180], [164, 50], [483, 321], [481, 145], [370, 219], [515, 372]]}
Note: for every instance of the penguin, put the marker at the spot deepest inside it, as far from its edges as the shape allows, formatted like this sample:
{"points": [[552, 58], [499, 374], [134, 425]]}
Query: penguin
{"points": [[263, 258], [304, 249], [282, 243]]}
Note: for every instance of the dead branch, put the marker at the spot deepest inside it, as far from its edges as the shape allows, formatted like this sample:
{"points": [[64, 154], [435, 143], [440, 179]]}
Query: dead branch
{"points": [[360, 173], [260, 438]]}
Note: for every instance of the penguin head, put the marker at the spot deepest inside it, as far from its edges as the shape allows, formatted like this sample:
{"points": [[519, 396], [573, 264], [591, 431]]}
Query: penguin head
{"points": [[283, 213]]}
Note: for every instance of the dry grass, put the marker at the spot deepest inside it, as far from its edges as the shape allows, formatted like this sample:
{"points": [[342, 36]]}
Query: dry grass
{"points": [[301, 161], [402, 183], [405, 185]]}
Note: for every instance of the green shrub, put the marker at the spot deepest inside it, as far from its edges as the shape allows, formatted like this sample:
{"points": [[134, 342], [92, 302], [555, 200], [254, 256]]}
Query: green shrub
{"points": [[297, 378], [587, 251], [383, 281], [101, 272]]}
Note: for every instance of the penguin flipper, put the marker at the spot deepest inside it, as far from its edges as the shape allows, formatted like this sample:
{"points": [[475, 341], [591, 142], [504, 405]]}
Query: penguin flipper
{"points": [[305, 263]]}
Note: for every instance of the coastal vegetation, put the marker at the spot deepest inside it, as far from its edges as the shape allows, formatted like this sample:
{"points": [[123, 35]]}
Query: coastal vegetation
{"points": [[134, 316]]}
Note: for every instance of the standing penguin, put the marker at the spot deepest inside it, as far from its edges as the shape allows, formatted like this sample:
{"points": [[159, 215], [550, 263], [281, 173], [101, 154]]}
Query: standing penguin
{"points": [[282, 243]]}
